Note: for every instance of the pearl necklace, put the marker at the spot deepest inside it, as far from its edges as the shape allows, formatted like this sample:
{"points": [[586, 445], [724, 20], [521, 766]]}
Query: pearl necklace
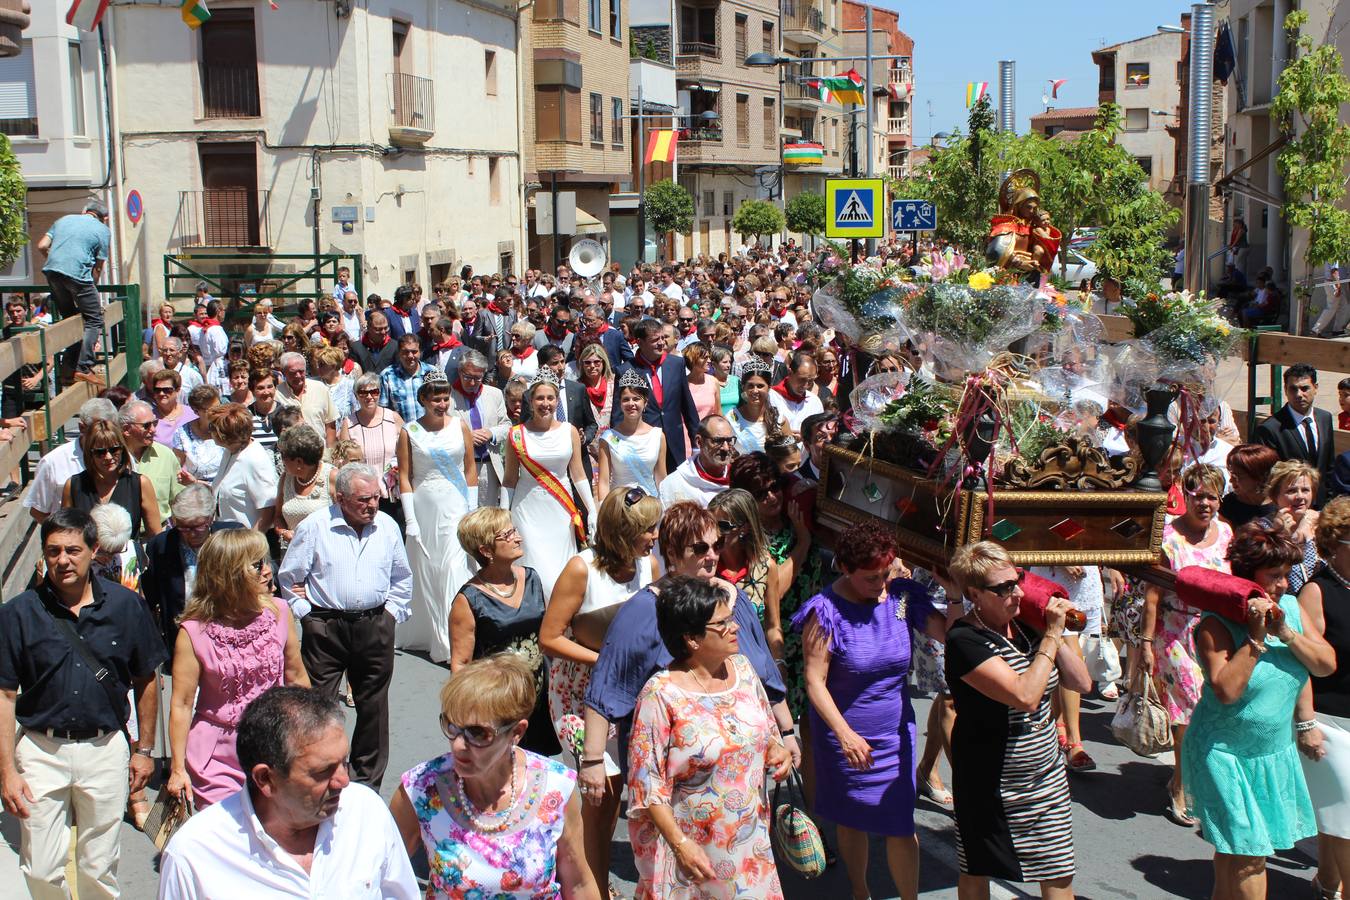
{"points": [[492, 822], [1016, 628], [505, 594], [301, 483]]}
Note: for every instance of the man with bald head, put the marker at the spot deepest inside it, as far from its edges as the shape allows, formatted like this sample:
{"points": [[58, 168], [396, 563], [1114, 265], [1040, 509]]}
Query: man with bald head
{"points": [[376, 351]]}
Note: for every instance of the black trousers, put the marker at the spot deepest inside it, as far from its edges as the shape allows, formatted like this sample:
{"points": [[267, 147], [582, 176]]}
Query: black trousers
{"points": [[362, 645]]}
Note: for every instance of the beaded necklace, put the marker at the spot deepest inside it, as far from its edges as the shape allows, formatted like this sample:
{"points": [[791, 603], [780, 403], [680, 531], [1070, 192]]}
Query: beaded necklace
{"points": [[495, 822]]}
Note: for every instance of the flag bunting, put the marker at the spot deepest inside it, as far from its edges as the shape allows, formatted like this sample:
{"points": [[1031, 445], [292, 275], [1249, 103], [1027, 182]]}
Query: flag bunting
{"points": [[846, 88], [1055, 85], [805, 153], [195, 13]]}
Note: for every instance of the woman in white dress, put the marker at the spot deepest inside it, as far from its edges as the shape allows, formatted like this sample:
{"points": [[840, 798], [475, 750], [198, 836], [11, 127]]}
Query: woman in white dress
{"points": [[754, 418], [590, 590], [438, 482], [263, 327], [542, 472], [632, 452]]}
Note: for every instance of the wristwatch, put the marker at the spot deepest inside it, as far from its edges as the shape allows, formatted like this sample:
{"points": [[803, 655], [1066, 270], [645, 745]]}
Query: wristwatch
{"points": [[145, 751]]}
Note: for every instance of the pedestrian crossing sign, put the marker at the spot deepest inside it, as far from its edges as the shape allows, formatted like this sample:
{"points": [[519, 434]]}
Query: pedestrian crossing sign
{"points": [[855, 208]]}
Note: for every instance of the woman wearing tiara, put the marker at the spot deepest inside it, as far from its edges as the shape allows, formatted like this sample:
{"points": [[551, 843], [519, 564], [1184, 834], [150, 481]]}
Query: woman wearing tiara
{"points": [[543, 474], [754, 418], [439, 484], [632, 452]]}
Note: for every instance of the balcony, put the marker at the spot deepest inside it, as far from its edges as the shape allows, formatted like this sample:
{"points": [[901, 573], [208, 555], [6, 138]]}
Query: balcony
{"points": [[701, 135], [412, 111], [694, 53], [802, 22], [223, 217], [901, 75], [897, 125], [898, 172], [801, 95]]}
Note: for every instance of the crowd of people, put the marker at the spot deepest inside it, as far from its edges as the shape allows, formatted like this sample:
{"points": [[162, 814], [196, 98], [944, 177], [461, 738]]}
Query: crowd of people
{"points": [[593, 503]]}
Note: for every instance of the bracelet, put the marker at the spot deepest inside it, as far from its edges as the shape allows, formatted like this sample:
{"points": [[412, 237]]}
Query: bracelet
{"points": [[684, 839], [1309, 725], [1148, 638], [1046, 655], [145, 751], [788, 732], [1258, 646], [592, 762]]}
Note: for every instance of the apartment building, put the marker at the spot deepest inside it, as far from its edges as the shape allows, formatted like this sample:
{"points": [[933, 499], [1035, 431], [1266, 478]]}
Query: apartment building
{"points": [[1065, 123], [1251, 181], [52, 108], [322, 127], [811, 30], [892, 86], [1143, 76], [575, 66]]}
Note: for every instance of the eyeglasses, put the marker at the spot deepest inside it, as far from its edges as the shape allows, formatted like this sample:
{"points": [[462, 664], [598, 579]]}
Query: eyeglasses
{"points": [[474, 735], [763, 493], [259, 565], [726, 527], [724, 626], [149, 423], [163, 390], [106, 451], [1005, 588], [721, 441], [701, 548], [509, 534], [194, 527]]}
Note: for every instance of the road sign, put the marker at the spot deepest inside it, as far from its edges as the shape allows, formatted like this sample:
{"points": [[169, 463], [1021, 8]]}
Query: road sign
{"points": [[135, 207], [913, 215], [854, 208]]}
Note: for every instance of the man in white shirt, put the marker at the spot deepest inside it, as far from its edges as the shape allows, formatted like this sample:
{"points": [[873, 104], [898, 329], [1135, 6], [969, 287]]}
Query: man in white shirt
{"points": [[353, 317], [707, 471], [310, 394], [299, 828], [792, 396], [208, 335], [347, 580], [669, 286], [55, 468]]}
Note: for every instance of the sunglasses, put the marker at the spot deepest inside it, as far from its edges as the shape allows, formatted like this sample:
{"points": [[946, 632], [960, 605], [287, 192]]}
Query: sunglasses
{"points": [[112, 452], [368, 392], [474, 735], [634, 494], [163, 390], [701, 548], [507, 535], [259, 565], [725, 527], [1005, 589]]}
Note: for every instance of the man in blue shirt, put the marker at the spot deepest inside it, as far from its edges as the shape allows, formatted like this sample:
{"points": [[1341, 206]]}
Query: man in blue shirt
{"points": [[75, 249]]}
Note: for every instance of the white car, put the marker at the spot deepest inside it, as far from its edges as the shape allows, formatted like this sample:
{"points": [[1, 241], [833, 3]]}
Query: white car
{"points": [[1074, 268]]}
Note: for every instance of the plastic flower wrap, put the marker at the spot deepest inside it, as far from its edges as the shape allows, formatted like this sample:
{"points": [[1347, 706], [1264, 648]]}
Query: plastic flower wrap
{"points": [[861, 304], [875, 394], [1134, 369], [969, 323], [924, 409], [1188, 338], [572, 732], [832, 313]]}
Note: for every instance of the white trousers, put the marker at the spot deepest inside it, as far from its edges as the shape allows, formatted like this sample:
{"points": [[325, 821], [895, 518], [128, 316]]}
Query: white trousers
{"points": [[80, 783]]}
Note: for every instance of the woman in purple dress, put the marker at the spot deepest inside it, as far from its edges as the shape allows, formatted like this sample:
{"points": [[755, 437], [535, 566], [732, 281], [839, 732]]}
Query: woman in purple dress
{"points": [[855, 637]]}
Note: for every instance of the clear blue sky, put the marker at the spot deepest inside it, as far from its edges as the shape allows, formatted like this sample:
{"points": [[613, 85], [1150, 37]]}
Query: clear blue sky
{"points": [[958, 41]]}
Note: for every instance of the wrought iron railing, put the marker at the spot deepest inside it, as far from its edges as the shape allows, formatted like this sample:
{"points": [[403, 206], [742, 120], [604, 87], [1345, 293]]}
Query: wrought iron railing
{"points": [[798, 16], [700, 48], [230, 91]]}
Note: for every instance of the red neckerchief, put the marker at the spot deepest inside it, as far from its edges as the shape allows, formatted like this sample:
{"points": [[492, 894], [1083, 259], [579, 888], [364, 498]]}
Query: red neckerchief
{"points": [[155, 323], [1343, 420], [347, 366], [604, 326], [492, 305], [366, 339], [715, 479], [734, 576], [778, 315], [597, 393], [548, 330], [449, 342], [207, 323], [525, 355], [782, 389], [655, 369], [472, 398]]}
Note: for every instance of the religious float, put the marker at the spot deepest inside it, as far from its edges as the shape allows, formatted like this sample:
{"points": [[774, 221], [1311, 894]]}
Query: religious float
{"points": [[1011, 420]]}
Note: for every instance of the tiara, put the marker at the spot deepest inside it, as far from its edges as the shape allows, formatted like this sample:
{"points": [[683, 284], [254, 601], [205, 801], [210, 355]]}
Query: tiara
{"points": [[632, 378], [756, 366], [436, 378], [545, 376]]}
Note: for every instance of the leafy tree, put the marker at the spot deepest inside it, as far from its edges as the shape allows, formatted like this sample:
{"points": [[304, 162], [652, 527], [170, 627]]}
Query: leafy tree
{"points": [[669, 207], [805, 213], [13, 200], [1312, 89], [758, 218]]}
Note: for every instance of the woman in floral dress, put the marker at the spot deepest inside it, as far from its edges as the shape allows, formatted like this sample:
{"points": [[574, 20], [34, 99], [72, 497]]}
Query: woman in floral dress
{"points": [[703, 735], [496, 821], [1197, 537]]}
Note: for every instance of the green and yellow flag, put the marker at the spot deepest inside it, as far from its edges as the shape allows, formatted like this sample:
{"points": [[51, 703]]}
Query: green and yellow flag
{"points": [[195, 13]]}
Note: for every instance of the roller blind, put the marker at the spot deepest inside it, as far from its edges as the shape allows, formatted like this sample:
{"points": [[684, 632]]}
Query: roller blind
{"points": [[18, 99]]}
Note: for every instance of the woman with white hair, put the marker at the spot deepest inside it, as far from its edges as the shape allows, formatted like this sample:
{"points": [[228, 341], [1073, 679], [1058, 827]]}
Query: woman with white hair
{"points": [[117, 559], [524, 361], [376, 429]]}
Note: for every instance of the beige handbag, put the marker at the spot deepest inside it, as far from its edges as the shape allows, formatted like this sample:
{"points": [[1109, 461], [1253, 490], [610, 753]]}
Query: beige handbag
{"points": [[167, 814], [1141, 721]]}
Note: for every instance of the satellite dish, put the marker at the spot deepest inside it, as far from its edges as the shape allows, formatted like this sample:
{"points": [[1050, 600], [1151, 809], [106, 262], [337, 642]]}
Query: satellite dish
{"points": [[587, 258]]}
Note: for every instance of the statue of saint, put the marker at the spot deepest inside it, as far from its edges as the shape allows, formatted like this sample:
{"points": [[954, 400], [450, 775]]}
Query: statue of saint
{"points": [[1021, 237]]}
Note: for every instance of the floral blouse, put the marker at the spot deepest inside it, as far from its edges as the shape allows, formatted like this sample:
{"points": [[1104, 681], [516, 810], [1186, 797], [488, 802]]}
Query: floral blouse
{"points": [[517, 862]]}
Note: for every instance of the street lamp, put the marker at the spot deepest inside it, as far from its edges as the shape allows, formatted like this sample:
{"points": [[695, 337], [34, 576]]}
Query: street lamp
{"points": [[764, 60]]}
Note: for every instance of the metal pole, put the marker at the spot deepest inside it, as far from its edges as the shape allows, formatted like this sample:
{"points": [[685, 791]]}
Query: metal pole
{"points": [[868, 104], [642, 173], [1198, 156], [1007, 100], [557, 257]]}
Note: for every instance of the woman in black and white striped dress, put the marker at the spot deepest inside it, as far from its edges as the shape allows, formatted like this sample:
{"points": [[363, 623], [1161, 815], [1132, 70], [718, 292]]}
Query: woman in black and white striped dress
{"points": [[1013, 814]]}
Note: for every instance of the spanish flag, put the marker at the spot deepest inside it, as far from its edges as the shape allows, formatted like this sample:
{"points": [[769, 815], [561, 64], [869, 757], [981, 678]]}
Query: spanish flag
{"points": [[195, 13], [661, 146]]}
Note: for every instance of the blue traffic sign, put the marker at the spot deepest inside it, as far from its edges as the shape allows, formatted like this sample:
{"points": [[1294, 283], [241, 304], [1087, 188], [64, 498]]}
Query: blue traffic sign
{"points": [[855, 207], [135, 207], [913, 215]]}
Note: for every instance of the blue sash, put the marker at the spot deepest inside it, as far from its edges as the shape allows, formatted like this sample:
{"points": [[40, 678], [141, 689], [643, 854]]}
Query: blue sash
{"points": [[625, 451], [442, 458]]}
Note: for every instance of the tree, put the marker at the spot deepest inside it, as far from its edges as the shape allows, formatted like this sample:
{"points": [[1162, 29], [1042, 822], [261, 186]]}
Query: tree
{"points": [[805, 213], [759, 218], [1312, 89], [13, 201], [670, 208]]}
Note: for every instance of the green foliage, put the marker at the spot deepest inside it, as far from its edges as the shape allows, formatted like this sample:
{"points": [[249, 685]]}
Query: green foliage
{"points": [[1087, 181], [924, 409], [670, 208], [1312, 89], [980, 123], [13, 200], [806, 213], [758, 218]]}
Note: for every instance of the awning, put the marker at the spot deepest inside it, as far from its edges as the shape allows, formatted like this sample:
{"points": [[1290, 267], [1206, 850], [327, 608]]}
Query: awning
{"points": [[1271, 148], [588, 224]]}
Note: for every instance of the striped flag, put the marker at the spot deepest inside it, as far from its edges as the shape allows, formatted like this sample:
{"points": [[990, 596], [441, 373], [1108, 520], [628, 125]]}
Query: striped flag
{"points": [[846, 88], [195, 13], [86, 14], [661, 146], [1055, 85], [820, 89], [803, 154], [974, 91]]}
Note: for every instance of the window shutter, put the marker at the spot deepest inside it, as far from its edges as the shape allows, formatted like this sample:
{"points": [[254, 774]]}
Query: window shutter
{"points": [[18, 99]]}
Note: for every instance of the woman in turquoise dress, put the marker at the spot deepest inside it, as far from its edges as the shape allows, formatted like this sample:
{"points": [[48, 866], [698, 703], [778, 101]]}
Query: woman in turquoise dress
{"points": [[1240, 768]]}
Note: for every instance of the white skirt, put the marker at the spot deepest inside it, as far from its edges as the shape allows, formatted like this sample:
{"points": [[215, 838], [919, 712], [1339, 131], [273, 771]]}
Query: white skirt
{"points": [[1329, 778]]}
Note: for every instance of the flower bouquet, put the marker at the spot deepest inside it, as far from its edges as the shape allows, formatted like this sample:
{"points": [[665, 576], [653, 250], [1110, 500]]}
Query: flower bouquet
{"points": [[1187, 337], [971, 319]]}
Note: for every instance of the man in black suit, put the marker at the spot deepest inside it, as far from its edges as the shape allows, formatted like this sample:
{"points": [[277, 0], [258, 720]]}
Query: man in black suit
{"points": [[169, 554], [620, 352], [672, 408], [1300, 431], [576, 407]]}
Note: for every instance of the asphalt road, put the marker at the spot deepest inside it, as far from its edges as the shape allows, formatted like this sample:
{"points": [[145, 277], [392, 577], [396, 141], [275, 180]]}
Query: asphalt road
{"points": [[1125, 848]]}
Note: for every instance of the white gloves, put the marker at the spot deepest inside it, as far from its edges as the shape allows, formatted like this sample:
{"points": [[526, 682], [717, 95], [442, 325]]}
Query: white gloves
{"points": [[584, 492], [410, 526]]}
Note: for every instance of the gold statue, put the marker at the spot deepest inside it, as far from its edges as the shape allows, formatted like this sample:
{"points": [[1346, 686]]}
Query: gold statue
{"points": [[1021, 237]]}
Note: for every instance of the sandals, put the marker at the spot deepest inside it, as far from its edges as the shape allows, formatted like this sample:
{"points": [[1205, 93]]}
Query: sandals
{"points": [[1063, 734], [939, 795], [1078, 759], [1110, 692], [1321, 893], [138, 808], [1178, 815]]}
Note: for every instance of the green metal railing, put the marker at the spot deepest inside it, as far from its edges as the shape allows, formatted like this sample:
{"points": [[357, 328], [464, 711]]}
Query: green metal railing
{"points": [[242, 279]]}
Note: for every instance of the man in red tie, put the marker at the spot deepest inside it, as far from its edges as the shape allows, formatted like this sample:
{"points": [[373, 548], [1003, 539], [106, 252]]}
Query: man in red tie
{"points": [[672, 407]]}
